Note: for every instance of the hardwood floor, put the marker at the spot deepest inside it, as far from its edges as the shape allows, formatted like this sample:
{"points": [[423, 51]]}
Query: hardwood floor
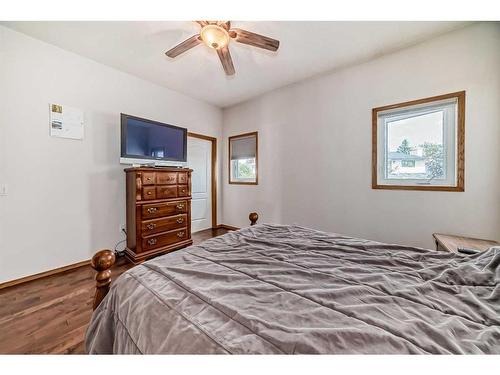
{"points": [[50, 315]]}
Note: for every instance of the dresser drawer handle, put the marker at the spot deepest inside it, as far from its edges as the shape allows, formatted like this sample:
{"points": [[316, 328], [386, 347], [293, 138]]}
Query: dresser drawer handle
{"points": [[151, 226], [180, 206], [150, 192], [180, 234], [152, 241], [149, 178], [180, 220], [183, 190], [152, 210]]}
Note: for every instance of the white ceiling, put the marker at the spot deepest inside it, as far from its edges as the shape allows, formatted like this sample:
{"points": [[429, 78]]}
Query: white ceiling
{"points": [[306, 49]]}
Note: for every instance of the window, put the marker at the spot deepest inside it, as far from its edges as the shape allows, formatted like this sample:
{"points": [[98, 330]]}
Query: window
{"points": [[243, 159], [419, 145]]}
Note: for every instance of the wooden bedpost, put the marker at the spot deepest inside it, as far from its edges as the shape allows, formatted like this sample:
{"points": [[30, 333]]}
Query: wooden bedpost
{"points": [[102, 262], [253, 218]]}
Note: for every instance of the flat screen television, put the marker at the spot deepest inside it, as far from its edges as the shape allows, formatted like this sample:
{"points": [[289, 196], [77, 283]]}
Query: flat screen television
{"points": [[150, 142]]}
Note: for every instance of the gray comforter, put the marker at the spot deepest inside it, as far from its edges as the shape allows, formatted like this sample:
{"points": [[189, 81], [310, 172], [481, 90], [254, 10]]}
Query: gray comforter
{"points": [[287, 289]]}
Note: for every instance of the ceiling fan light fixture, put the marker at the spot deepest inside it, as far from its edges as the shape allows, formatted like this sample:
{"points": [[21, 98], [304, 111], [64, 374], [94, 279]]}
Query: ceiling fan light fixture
{"points": [[217, 35], [214, 36]]}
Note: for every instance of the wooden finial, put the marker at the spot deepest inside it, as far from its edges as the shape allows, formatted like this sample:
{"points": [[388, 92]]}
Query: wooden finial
{"points": [[102, 261], [253, 218]]}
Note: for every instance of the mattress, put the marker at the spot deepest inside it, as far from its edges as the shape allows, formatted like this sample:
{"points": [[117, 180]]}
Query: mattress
{"points": [[278, 289]]}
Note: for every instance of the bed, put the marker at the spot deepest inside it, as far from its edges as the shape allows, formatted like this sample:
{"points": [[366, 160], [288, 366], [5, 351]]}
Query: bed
{"points": [[279, 289]]}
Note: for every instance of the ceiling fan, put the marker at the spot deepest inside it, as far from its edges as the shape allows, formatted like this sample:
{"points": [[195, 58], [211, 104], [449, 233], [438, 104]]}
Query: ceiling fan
{"points": [[217, 35]]}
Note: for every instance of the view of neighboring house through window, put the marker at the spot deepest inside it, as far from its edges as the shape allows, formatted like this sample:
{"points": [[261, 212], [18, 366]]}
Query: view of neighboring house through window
{"points": [[243, 159], [408, 163], [417, 144]]}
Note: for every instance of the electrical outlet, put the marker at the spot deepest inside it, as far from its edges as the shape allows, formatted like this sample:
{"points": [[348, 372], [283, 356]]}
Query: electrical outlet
{"points": [[122, 229], [3, 190]]}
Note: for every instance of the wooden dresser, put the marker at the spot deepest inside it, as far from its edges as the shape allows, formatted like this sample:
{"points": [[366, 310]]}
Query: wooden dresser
{"points": [[158, 211]]}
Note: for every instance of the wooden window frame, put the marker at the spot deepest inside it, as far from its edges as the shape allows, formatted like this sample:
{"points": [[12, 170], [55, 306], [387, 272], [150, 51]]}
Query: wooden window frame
{"points": [[256, 182], [460, 144]]}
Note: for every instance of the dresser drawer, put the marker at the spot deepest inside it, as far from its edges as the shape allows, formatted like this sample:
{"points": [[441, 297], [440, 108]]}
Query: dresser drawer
{"points": [[166, 191], [151, 211], [150, 227], [164, 239], [148, 192], [166, 178], [183, 190], [148, 178], [182, 178]]}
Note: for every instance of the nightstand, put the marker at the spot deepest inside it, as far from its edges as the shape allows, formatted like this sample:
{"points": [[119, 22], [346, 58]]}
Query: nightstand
{"points": [[448, 242]]}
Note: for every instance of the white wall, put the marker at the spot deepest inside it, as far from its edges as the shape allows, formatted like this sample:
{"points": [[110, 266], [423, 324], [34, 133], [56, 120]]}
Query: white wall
{"points": [[66, 198], [315, 145]]}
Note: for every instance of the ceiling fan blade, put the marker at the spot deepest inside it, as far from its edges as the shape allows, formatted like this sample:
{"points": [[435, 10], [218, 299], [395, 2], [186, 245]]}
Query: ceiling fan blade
{"points": [[184, 46], [253, 39], [226, 60], [202, 23]]}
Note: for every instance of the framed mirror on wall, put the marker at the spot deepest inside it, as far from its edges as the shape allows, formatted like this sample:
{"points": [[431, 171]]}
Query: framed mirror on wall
{"points": [[243, 159]]}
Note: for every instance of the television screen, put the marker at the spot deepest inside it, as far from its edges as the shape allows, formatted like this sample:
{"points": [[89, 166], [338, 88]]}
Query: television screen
{"points": [[147, 139]]}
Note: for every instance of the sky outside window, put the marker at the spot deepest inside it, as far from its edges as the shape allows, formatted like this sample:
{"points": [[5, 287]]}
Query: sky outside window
{"points": [[417, 130]]}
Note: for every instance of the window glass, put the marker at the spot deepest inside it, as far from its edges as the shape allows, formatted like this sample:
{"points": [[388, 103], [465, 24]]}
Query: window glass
{"points": [[243, 159], [415, 147]]}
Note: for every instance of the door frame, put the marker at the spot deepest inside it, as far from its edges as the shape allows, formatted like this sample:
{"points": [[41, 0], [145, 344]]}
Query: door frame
{"points": [[214, 173]]}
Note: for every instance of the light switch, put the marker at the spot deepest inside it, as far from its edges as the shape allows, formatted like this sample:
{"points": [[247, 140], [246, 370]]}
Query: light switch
{"points": [[3, 189]]}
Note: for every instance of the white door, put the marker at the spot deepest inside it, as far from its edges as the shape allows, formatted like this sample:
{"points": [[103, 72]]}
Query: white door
{"points": [[199, 158]]}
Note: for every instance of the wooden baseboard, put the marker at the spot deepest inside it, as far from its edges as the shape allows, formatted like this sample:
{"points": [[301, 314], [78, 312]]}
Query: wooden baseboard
{"points": [[228, 227], [44, 274]]}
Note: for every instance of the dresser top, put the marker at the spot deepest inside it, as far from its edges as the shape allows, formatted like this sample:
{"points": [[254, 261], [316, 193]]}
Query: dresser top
{"points": [[157, 169]]}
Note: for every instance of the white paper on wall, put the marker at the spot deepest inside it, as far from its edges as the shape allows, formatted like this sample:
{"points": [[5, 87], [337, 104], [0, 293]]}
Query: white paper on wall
{"points": [[66, 122]]}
